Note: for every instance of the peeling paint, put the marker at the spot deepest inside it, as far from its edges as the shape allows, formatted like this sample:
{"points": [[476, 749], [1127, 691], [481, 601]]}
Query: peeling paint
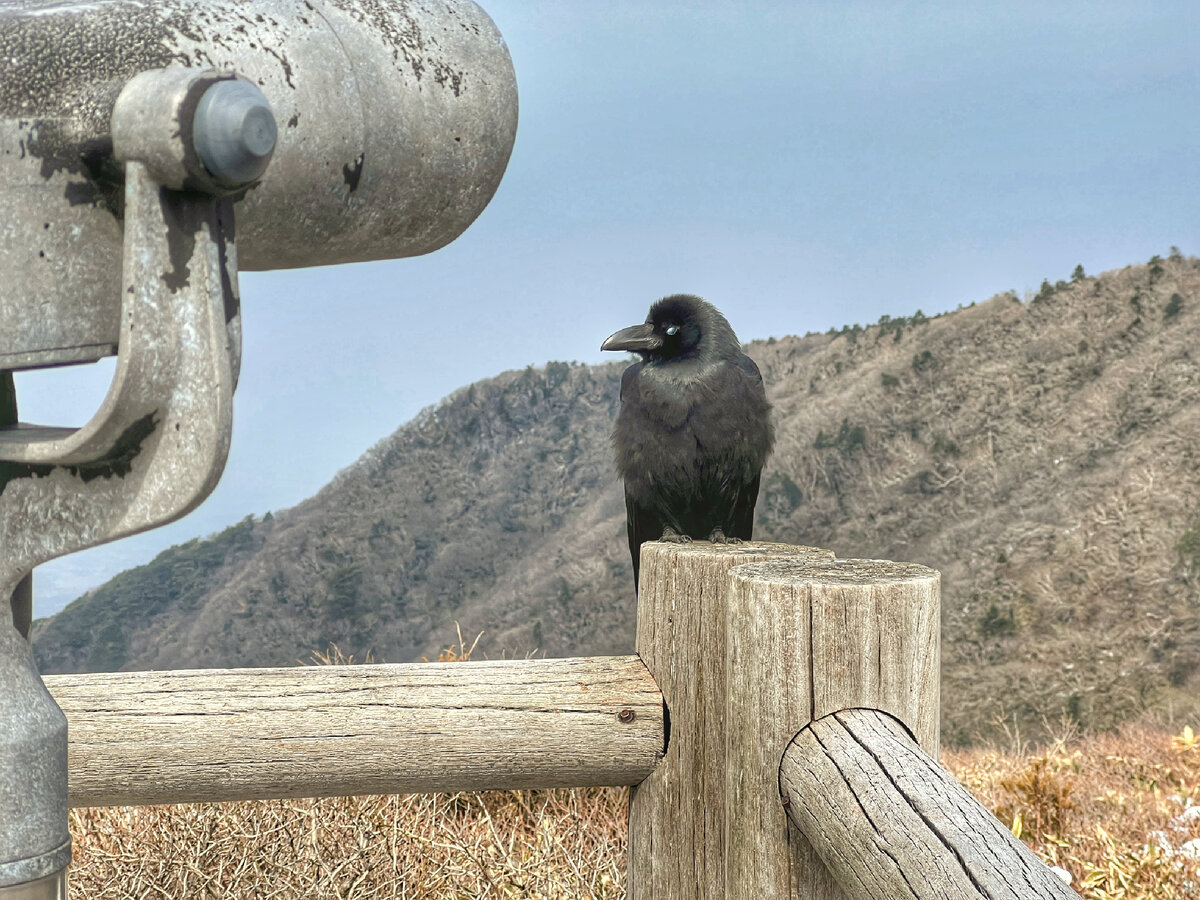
{"points": [[225, 232], [353, 172], [182, 221], [426, 90], [119, 461], [60, 151]]}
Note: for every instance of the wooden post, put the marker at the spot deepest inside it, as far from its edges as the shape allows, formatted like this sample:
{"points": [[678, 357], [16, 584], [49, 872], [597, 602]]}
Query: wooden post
{"points": [[677, 815], [806, 639], [891, 824]]}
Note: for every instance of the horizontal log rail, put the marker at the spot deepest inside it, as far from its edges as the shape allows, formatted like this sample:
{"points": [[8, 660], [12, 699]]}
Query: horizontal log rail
{"points": [[891, 824], [251, 734]]}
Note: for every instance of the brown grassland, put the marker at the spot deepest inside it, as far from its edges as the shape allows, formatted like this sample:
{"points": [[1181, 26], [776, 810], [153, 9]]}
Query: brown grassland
{"points": [[1116, 811]]}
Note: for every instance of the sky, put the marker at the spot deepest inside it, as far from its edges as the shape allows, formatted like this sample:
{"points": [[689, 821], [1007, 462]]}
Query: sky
{"points": [[801, 165]]}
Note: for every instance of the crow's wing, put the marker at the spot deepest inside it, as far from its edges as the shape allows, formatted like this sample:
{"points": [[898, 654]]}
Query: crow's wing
{"points": [[749, 368], [627, 379], [741, 516], [643, 526]]}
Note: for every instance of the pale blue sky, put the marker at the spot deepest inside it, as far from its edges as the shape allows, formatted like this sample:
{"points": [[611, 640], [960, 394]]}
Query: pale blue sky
{"points": [[802, 165]]}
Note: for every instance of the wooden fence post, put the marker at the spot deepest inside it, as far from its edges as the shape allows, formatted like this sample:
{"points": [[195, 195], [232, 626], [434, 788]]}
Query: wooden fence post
{"points": [[749, 644], [806, 639], [677, 815]]}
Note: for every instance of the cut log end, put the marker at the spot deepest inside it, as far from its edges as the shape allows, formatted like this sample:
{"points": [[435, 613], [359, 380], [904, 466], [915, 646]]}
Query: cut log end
{"points": [[842, 572]]}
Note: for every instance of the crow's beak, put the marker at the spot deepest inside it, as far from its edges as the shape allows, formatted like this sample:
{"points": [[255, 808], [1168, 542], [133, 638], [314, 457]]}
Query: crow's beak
{"points": [[634, 338]]}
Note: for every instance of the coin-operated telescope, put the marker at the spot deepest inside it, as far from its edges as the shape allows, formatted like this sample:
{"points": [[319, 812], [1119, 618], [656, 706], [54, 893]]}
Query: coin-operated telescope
{"points": [[147, 151]]}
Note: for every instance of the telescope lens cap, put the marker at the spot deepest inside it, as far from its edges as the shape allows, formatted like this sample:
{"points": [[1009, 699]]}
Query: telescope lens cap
{"points": [[234, 132]]}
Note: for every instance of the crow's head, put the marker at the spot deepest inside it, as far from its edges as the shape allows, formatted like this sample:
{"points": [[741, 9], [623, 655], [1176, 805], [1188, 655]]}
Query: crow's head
{"points": [[678, 327]]}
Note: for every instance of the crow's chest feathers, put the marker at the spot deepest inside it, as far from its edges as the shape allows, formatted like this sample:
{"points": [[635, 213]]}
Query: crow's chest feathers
{"points": [[675, 433]]}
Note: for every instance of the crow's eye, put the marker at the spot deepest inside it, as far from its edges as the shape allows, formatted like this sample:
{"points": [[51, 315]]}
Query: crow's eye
{"points": [[672, 330]]}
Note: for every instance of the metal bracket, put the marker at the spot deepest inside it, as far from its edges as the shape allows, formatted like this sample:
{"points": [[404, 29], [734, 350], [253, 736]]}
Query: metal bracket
{"points": [[159, 441], [158, 444]]}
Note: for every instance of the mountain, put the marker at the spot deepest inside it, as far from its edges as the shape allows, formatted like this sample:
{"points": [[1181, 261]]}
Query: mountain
{"points": [[1042, 454]]}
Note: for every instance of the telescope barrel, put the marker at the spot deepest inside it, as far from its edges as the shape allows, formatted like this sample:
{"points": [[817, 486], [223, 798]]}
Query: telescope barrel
{"points": [[395, 124]]}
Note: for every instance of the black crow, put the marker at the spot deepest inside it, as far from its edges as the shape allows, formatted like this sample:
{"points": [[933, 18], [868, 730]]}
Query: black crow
{"points": [[694, 428]]}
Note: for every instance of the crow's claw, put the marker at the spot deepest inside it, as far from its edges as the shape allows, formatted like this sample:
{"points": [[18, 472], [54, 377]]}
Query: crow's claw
{"points": [[718, 537], [671, 536]]}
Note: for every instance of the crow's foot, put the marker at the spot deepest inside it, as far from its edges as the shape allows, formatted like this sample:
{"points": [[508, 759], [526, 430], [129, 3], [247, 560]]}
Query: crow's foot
{"points": [[718, 537], [671, 536]]}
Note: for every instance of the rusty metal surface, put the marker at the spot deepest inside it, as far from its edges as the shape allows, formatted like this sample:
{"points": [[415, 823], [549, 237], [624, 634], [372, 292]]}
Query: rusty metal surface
{"points": [[396, 121]]}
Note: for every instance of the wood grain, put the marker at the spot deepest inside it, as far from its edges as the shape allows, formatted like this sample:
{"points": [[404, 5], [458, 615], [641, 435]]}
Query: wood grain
{"points": [[174, 737], [891, 824], [677, 815], [806, 638]]}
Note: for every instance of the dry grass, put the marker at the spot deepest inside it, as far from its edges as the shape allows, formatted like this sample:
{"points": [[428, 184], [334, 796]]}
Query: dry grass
{"points": [[542, 844], [1117, 812], [1120, 813]]}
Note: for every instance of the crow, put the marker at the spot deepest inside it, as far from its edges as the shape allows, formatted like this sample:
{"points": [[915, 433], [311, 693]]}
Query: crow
{"points": [[694, 428]]}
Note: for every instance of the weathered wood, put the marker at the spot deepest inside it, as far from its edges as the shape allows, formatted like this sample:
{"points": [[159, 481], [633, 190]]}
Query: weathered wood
{"points": [[173, 737], [677, 815], [805, 639], [891, 824]]}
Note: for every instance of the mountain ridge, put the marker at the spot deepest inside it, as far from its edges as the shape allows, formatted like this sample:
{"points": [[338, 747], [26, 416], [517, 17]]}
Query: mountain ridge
{"points": [[1038, 453]]}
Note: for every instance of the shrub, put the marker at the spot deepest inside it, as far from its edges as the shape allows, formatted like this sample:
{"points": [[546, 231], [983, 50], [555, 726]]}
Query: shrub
{"points": [[922, 361], [996, 623], [1189, 547], [944, 446], [782, 487], [848, 439]]}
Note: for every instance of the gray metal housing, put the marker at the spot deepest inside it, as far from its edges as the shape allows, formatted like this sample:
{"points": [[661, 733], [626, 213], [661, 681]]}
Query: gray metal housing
{"points": [[396, 121]]}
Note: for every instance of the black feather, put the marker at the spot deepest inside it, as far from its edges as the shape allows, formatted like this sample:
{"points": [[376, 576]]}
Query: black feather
{"points": [[694, 429]]}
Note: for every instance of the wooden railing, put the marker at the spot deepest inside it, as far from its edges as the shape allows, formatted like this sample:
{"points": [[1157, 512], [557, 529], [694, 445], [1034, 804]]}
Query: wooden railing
{"points": [[891, 824], [772, 685], [321, 731]]}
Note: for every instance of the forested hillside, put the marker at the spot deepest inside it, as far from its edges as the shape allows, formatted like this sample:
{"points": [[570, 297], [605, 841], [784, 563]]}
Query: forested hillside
{"points": [[1041, 452]]}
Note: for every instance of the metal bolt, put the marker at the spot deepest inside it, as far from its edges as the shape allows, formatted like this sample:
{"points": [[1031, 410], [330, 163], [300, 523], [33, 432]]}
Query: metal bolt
{"points": [[234, 131], [625, 715]]}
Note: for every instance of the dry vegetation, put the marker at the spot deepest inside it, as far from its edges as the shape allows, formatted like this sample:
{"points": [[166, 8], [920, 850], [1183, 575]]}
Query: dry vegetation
{"points": [[1121, 813], [544, 844]]}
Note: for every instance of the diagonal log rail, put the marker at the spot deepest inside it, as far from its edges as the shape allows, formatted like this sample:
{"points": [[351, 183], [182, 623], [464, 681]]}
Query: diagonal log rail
{"points": [[251, 734], [891, 824]]}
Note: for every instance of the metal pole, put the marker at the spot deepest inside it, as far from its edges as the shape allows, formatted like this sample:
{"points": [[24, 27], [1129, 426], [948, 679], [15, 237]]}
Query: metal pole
{"points": [[35, 843]]}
